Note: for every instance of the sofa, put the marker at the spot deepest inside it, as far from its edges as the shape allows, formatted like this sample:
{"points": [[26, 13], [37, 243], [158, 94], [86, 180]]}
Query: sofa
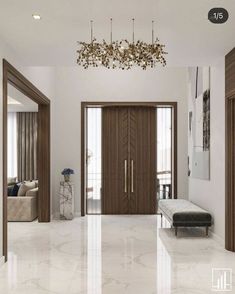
{"points": [[22, 203]]}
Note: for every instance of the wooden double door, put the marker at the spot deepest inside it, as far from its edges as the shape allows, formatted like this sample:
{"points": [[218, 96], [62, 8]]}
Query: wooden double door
{"points": [[129, 160]]}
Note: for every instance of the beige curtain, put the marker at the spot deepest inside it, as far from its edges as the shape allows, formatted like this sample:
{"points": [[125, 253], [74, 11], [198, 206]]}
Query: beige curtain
{"points": [[27, 123]]}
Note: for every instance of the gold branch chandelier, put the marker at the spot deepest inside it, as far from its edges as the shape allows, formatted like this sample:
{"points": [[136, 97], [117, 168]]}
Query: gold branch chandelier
{"points": [[121, 54]]}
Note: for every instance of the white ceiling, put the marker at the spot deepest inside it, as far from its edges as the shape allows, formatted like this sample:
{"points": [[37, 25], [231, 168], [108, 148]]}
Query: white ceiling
{"points": [[18, 102], [181, 24]]}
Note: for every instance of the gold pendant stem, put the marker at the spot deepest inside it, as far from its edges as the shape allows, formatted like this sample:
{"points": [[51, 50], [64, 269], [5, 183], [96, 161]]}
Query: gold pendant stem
{"points": [[91, 30], [133, 30], [152, 31], [111, 30]]}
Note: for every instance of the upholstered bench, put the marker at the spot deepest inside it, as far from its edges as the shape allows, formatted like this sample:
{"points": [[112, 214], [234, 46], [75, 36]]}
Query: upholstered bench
{"points": [[183, 213]]}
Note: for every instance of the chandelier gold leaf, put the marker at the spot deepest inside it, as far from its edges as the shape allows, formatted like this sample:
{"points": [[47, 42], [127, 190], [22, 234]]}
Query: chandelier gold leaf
{"points": [[121, 54]]}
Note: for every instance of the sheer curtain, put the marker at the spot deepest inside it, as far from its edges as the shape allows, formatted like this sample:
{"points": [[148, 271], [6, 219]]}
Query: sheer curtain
{"points": [[12, 145]]}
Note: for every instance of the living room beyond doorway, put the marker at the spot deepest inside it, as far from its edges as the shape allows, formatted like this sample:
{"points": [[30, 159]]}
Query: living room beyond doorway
{"points": [[26, 151]]}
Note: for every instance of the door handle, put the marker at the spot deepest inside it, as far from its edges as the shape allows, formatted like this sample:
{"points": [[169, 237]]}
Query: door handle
{"points": [[125, 175], [132, 176]]}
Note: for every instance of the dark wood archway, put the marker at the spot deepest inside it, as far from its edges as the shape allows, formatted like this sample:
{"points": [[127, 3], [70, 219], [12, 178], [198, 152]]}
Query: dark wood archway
{"points": [[16, 79]]}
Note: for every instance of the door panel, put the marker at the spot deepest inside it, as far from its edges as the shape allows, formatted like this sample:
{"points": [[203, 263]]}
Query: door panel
{"points": [[114, 160], [143, 160], [129, 160]]}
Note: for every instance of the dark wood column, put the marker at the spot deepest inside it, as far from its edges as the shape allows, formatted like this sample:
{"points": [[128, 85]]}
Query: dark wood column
{"points": [[230, 151], [44, 165]]}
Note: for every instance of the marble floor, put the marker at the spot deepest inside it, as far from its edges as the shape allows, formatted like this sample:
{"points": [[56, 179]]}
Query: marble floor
{"points": [[110, 255]]}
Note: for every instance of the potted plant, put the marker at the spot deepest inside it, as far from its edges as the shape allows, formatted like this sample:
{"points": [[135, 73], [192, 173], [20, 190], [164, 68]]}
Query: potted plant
{"points": [[66, 173]]}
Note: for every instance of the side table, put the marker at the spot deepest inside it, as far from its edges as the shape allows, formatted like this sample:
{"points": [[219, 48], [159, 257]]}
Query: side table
{"points": [[66, 200]]}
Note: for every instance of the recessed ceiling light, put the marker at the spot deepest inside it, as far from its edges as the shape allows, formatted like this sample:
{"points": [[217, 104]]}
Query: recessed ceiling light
{"points": [[36, 16]]}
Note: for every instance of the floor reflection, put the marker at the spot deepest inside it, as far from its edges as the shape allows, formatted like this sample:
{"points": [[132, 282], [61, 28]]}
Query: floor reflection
{"points": [[94, 252], [163, 262], [107, 254]]}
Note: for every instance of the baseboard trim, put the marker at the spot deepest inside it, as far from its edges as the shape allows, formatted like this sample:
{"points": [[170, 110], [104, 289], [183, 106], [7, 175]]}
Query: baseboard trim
{"points": [[56, 215], [217, 238], [2, 260], [77, 214]]}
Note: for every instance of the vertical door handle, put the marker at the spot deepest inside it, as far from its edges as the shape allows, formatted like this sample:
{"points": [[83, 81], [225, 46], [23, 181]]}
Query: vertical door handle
{"points": [[125, 175], [132, 176]]}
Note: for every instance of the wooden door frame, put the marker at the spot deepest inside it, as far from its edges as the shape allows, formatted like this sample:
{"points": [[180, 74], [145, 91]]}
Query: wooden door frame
{"points": [[229, 153], [12, 76], [85, 104], [229, 176]]}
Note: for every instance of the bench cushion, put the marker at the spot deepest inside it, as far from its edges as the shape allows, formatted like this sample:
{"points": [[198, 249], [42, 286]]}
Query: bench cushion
{"points": [[184, 213]]}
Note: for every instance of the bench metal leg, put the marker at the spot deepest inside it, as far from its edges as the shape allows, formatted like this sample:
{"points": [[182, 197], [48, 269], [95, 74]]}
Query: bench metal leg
{"points": [[161, 220], [207, 230], [176, 230]]}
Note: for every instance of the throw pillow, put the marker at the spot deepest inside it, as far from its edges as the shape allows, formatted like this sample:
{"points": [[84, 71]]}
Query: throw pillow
{"points": [[36, 183], [14, 191], [32, 192], [11, 181], [9, 190], [24, 187]]}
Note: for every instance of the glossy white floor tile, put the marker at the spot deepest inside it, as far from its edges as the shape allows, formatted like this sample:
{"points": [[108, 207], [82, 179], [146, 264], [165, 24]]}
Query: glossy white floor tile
{"points": [[111, 255]]}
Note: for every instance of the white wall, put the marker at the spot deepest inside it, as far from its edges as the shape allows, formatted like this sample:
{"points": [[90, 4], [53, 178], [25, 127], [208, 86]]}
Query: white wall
{"points": [[43, 77], [74, 85], [211, 194]]}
